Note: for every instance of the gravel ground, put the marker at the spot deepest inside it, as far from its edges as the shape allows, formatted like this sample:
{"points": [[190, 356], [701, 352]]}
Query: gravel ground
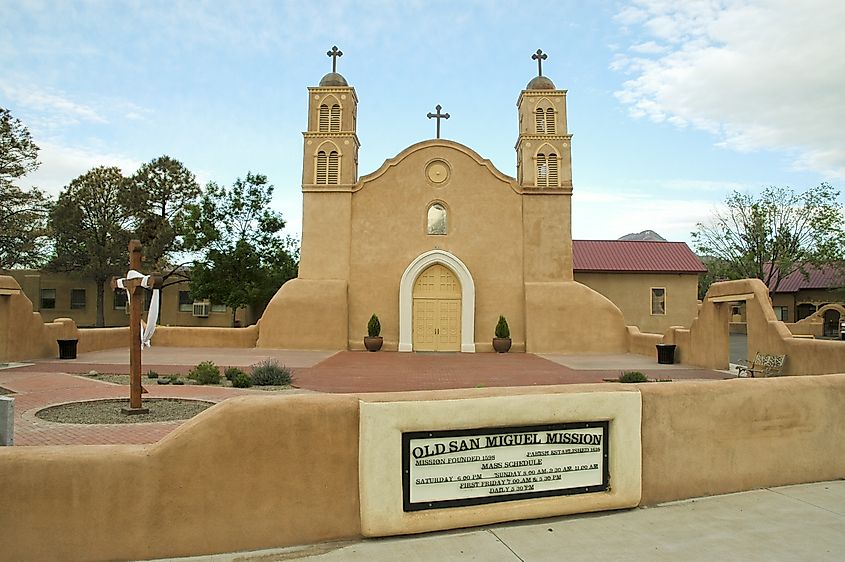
{"points": [[108, 411]]}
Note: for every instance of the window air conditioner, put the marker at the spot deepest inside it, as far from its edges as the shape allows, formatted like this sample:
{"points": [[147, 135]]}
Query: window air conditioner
{"points": [[201, 309]]}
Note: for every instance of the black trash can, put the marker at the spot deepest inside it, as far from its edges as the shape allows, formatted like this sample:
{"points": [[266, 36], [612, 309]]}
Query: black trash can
{"points": [[67, 349], [665, 353]]}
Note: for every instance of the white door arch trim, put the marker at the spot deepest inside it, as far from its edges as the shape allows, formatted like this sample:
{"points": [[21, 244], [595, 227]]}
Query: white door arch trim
{"points": [[406, 298]]}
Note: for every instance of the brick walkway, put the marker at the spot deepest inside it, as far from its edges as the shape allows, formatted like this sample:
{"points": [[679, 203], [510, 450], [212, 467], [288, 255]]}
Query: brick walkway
{"points": [[50, 382]]}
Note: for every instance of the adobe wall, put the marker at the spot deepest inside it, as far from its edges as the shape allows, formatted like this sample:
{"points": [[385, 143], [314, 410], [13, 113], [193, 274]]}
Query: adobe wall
{"points": [[244, 475], [631, 292], [709, 438], [23, 333], [260, 472]]}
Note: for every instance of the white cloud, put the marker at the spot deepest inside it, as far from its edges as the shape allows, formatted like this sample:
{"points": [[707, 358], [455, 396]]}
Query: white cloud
{"points": [[61, 164], [55, 107], [758, 74]]}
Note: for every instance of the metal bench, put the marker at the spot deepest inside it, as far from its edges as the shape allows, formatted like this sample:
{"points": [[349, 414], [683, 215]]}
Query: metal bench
{"points": [[764, 364]]}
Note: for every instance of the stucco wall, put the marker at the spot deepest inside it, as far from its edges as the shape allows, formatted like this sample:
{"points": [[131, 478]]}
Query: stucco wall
{"points": [[247, 474], [705, 438], [23, 333], [260, 472], [631, 292]]}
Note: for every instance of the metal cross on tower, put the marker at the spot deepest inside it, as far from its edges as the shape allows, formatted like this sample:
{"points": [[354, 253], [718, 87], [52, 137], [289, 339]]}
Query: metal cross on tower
{"points": [[334, 53], [438, 116], [539, 56]]}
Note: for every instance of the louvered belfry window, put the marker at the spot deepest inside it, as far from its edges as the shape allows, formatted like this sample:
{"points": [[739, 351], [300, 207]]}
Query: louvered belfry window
{"points": [[542, 171], [551, 162], [322, 162], [333, 168], [540, 120], [335, 118], [550, 120], [323, 125]]}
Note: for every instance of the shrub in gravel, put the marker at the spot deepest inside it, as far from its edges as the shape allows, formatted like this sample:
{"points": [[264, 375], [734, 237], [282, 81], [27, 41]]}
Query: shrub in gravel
{"points": [[633, 376], [241, 380], [231, 372], [178, 381], [270, 373], [205, 373], [152, 375]]}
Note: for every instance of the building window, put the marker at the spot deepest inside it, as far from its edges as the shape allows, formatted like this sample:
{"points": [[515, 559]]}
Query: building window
{"points": [[48, 298], [186, 304], [547, 175], [550, 120], [334, 123], [658, 301], [323, 122], [77, 299], [540, 120], [781, 313], [332, 178], [120, 299], [218, 308], [437, 220]]}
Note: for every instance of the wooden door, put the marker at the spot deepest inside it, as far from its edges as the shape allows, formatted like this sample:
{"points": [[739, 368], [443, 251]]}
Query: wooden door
{"points": [[437, 310]]}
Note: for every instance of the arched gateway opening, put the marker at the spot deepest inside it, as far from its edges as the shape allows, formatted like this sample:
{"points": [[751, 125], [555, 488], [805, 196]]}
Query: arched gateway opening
{"points": [[436, 305]]}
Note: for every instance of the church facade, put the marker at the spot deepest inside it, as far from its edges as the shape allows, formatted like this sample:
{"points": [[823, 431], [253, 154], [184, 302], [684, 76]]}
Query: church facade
{"points": [[437, 242]]}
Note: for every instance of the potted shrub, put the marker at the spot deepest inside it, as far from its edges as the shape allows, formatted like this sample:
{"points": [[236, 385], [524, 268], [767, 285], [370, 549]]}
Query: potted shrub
{"points": [[373, 340], [502, 341]]}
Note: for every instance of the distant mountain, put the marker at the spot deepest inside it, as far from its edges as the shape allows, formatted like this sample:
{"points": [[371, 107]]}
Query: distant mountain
{"points": [[647, 235]]}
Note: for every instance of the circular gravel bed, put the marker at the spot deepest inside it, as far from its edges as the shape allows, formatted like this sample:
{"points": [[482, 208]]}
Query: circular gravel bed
{"points": [[108, 411]]}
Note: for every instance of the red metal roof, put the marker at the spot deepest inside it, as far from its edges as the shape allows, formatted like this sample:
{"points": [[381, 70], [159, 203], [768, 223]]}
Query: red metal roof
{"points": [[635, 256], [826, 277]]}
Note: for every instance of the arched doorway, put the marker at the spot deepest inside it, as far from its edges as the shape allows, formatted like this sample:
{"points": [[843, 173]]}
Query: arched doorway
{"points": [[437, 310], [831, 323], [466, 304]]}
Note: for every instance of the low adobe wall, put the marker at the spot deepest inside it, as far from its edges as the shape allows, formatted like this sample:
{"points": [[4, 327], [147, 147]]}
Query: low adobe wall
{"points": [[96, 339], [261, 472]]}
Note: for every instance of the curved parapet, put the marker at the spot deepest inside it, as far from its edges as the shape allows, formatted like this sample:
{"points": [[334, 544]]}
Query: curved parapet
{"points": [[306, 314], [568, 317]]}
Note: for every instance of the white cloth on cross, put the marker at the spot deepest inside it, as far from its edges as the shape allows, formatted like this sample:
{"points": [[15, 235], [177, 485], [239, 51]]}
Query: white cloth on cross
{"points": [[152, 315]]}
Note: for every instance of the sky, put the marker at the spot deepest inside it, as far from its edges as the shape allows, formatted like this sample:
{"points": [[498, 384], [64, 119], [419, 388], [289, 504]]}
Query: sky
{"points": [[672, 104]]}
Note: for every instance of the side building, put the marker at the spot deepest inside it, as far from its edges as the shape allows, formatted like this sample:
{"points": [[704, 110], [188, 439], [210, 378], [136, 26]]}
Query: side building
{"points": [[64, 295], [654, 284]]}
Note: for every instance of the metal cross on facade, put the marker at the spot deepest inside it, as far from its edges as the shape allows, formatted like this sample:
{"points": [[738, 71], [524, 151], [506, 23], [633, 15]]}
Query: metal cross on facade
{"points": [[539, 56], [334, 53], [438, 116]]}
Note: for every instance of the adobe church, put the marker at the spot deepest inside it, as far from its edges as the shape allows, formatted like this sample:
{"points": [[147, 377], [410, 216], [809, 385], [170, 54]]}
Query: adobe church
{"points": [[437, 242]]}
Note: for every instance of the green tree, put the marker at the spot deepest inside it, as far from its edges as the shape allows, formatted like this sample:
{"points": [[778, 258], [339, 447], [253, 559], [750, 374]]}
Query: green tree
{"points": [[23, 213], [160, 193], [243, 257], [92, 224], [770, 236]]}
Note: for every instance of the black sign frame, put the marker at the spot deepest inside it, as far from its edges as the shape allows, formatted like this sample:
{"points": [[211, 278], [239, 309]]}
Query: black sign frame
{"points": [[407, 506]]}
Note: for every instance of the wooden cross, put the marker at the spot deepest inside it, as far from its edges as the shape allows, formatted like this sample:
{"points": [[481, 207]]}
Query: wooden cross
{"points": [[136, 294], [438, 116], [334, 53], [539, 56]]}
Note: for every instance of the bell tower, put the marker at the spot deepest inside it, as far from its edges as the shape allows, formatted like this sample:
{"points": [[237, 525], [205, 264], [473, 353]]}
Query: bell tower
{"points": [[544, 174], [330, 157], [543, 157], [329, 174]]}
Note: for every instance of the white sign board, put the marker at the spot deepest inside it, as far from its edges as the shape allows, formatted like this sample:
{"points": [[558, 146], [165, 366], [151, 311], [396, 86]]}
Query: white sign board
{"points": [[477, 466]]}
